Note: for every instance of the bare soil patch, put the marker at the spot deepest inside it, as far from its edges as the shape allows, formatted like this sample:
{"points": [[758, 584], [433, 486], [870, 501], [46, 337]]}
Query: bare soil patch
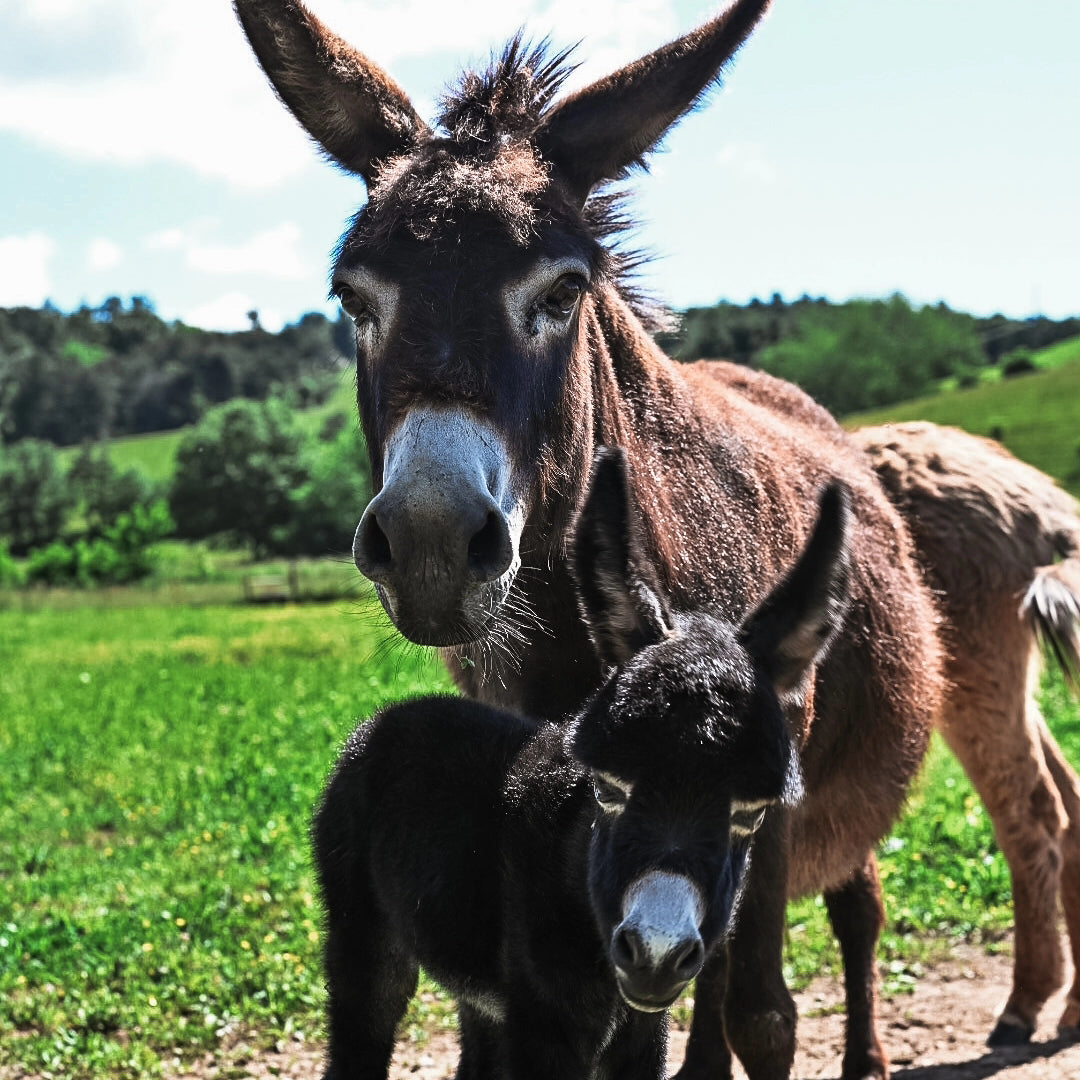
{"points": [[938, 1032]]}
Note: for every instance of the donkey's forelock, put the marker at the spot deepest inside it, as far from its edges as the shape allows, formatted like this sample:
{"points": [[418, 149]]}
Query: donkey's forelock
{"points": [[481, 162], [506, 102]]}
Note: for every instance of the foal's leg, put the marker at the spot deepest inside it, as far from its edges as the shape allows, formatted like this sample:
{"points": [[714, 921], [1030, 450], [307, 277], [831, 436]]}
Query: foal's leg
{"points": [[857, 916], [638, 1050], [1068, 786], [369, 985], [369, 977], [481, 1040], [993, 727]]}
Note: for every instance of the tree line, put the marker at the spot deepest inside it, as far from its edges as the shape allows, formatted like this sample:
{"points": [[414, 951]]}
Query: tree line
{"points": [[119, 369], [863, 353]]}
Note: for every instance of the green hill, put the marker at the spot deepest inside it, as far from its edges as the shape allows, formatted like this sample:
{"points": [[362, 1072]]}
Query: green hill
{"points": [[154, 455], [1037, 416]]}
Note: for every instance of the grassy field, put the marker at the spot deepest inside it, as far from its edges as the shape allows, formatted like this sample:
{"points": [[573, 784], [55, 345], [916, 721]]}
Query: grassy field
{"points": [[160, 768], [1037, 416]]}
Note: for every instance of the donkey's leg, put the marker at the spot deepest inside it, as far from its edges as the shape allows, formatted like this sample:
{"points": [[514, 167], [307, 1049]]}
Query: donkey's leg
{"points": [[992, 726], [707, 1053], [759, 1011], [1068, 786], [857, 916]]}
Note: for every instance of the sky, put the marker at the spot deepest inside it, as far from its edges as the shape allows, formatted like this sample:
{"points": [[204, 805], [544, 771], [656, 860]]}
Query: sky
{"points": [[857, 148]]}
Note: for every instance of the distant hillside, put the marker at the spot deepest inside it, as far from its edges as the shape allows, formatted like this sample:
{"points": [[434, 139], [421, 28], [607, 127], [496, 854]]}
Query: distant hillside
{"points": [[154, 455], [1035, 415], [119, 369]]}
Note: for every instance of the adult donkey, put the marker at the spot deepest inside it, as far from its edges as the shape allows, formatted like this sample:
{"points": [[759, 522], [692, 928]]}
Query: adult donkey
{"points": [[989, 530], [497, 345]]}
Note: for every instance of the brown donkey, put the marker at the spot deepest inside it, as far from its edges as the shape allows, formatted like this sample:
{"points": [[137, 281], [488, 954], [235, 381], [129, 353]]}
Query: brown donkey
{"points": [[498, 343], [992, 532]]}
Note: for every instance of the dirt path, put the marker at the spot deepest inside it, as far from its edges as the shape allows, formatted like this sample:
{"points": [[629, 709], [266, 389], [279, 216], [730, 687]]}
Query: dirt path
{"points": [[936, 1033]]}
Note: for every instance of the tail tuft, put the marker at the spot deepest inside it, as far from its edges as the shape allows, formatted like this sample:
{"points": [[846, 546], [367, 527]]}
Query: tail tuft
{"points": [[1052, 604]]}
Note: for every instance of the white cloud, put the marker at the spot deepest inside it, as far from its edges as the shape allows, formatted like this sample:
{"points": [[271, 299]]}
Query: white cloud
{"points": [[103, 254], [272, 253], [24, 269], [171, 239], [747, 160], [131, 81], [230, 312]]}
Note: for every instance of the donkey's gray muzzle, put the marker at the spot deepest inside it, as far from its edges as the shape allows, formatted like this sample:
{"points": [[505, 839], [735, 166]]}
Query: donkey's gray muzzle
{"points": [[440, 540]]}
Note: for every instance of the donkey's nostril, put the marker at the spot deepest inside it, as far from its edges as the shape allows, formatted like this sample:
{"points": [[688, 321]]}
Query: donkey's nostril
{"points": [[490, 550], [371, 549]]}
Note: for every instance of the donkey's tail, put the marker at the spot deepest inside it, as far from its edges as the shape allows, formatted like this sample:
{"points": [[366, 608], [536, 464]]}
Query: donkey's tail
{"points": [[1052, 606]]}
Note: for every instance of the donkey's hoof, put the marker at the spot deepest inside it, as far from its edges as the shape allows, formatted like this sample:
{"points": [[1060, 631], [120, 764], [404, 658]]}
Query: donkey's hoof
{"points": [[1009, 1031], [1069, 1024]]}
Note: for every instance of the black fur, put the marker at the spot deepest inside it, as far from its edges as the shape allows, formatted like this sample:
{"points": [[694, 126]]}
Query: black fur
{"points": [[485, 847]]}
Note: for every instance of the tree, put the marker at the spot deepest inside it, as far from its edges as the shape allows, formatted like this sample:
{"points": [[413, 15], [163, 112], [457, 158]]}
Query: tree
{"points": [[326, 508], [35, 500], [103, 492], [237, 473], [873, 352]]}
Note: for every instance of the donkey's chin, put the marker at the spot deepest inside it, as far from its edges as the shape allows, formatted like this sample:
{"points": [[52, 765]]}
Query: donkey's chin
{"points": [[427, 619]]}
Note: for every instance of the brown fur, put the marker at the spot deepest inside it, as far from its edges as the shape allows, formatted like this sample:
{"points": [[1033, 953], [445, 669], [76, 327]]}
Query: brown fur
{"points": [[988, 529]]}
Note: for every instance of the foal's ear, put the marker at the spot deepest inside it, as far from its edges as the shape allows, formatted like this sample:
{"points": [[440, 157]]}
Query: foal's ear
{"points": [[622, 607], [601, 131], [348, 105], [796, 622]]}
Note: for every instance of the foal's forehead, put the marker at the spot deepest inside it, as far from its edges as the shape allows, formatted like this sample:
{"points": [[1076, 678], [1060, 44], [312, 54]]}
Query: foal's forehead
{"points": [[686, 697]]}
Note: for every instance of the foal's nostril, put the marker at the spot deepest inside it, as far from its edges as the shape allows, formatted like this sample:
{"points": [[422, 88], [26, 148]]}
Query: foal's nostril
{"points": [[687, 961], [627, 949], [490, 550], [371, 548]]}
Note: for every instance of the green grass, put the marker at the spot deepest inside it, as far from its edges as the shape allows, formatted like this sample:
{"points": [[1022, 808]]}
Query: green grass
{"points": [[160, 765], [160, 769], [1034, 415]]}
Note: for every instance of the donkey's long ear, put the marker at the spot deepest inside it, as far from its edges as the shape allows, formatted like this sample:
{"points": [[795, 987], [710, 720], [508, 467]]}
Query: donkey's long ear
{"points": [[622, 607], [795, 623], [598, 133], [347, 104]]}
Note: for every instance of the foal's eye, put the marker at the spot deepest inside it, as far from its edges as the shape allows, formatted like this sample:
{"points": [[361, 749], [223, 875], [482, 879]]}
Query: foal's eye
{"points": [[746, 820], [561, 299], [355, 306], [608, 794]]}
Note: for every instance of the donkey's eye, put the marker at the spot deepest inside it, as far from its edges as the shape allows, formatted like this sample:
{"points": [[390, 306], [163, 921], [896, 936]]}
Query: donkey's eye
{"points": [[608, 794], [355, 306], [747, 819], [561, 299]]}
